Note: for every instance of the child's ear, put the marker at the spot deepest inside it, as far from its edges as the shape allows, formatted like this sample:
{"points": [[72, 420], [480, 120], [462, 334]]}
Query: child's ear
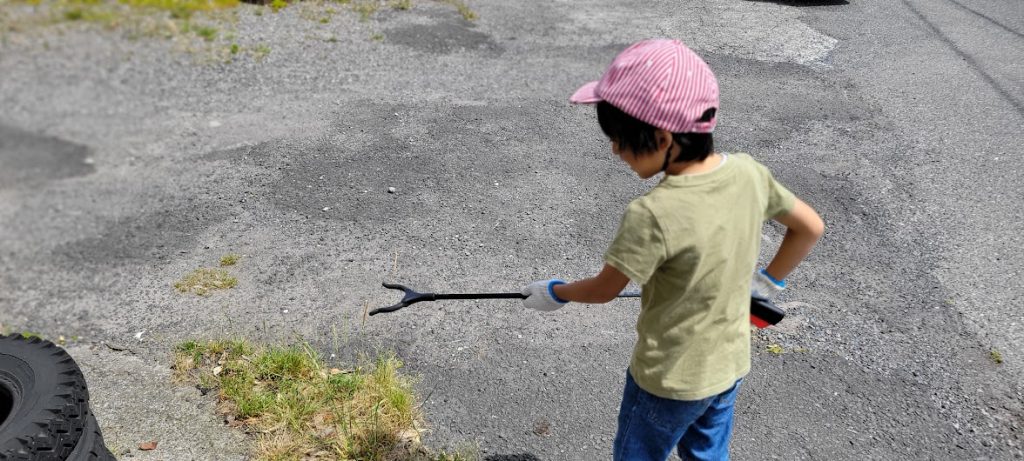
{"points": [[663, 138]]}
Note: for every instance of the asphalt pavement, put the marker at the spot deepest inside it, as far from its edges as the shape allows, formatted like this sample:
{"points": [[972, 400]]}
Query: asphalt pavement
{"points": [[127, 162]]}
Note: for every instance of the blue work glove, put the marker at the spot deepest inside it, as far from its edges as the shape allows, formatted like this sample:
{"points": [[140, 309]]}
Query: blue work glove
{"points": [[540, 295], [766, 285]]}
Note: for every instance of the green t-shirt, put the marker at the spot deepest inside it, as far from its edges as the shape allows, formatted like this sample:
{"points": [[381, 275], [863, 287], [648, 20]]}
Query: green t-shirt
{"points": [[692, 243]]}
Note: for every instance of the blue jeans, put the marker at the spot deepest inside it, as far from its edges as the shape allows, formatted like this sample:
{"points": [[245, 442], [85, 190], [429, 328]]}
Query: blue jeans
{"points": [[650, 426]]}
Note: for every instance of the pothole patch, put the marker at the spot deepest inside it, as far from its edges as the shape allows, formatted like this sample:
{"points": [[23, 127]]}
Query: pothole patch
{"points": [[28, 158]]}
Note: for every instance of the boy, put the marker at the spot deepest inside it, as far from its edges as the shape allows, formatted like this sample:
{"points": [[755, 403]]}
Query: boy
{"points": [[692, 244]]}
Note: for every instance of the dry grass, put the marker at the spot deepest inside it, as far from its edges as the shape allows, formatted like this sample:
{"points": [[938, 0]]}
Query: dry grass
{"points": [[204, 280], [229, 259], [464, 9], [299, 408]]}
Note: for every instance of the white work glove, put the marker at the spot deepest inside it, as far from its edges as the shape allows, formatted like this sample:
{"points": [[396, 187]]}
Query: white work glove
{"points": [[765, 285], [540, 295]]}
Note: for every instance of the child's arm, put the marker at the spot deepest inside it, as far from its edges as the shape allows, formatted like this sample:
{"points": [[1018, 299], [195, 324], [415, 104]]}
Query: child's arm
{"points": [[599, 289], [803, 229], [549, 295]]}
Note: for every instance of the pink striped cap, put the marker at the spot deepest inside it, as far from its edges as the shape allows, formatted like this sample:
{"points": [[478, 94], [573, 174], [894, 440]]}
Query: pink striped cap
{"points": [[661, 82]]}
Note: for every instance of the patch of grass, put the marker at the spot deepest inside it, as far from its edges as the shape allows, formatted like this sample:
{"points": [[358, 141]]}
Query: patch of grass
{"points": [[774, 349], [202, 281], [30, 335], [74, 14], [464, 9], [300, 408], [85, 12], [230, 259], [995, 356], [233, 50], [136, 18], [206, 32], [377, 37], [189, 6], [171, 18], [365, 8], [260, 51]]}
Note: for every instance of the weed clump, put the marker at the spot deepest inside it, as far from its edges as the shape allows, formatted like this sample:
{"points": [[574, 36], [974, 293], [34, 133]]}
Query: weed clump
{"points": [[206, 32], [202, 281], [463, 9], [300, 408], [260, 51], [230, 259], [995, 355], [365, 8]]}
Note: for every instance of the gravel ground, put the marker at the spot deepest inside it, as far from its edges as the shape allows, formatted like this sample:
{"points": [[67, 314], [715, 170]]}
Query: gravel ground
{"points": [[126, 162]]}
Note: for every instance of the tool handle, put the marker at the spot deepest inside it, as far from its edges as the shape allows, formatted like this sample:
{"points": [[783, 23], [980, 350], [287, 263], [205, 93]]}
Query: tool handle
{"points": [[624, 294], [479, 296]]}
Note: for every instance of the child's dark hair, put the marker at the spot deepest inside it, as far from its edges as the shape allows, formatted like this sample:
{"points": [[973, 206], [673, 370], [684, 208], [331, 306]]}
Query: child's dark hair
{"points": [[638, 136]]}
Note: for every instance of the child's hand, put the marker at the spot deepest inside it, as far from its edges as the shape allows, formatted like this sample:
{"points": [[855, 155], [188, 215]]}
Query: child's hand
{"points": [[541, 296], [765, 285]]}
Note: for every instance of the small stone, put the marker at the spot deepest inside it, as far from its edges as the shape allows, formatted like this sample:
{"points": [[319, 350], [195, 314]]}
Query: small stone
{"points": [[327, 208], [542, 428], [214, 123], [392, 190], [147, 446]]}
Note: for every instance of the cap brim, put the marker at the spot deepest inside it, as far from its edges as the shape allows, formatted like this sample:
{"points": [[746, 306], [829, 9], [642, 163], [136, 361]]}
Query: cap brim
{"points": [[586, 94]]}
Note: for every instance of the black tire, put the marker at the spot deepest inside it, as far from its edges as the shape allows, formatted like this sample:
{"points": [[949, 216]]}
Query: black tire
{"points": [[44, 403], [90, 446]]}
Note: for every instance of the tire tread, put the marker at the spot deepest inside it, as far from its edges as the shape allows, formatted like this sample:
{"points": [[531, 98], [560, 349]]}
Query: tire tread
{"points": [[61, 420]]}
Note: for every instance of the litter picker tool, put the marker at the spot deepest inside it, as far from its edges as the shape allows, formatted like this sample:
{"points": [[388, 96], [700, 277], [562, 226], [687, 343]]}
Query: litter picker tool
{"points": [[763, 312]]}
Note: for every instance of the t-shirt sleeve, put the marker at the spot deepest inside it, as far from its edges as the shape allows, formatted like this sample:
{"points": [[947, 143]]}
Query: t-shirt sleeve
{"points": [[639, 246], [780, 199]]}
